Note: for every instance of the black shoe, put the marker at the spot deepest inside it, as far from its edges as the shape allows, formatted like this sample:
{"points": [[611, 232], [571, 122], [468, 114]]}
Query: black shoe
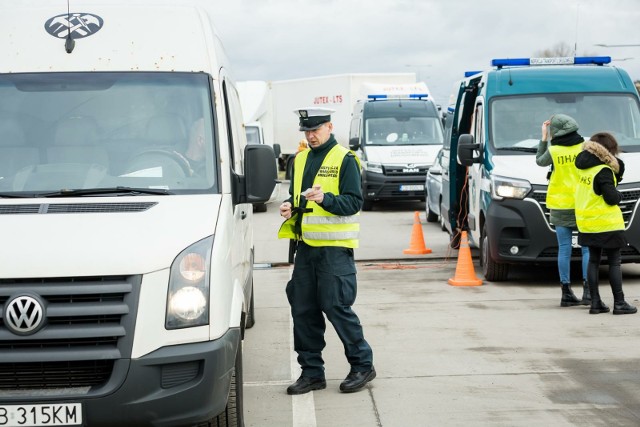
{"points": [[357, 380], [568, 297], [623, 307], [598, 307], [306, 384]]}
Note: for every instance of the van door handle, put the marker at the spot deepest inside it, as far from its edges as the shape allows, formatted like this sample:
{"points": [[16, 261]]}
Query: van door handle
{"points": [[243, 215]]}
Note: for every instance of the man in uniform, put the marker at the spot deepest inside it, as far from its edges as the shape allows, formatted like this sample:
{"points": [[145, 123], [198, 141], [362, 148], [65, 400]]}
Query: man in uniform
{"points": [[322, 220]]}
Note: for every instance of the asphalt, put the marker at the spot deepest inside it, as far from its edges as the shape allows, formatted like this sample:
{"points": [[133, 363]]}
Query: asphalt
{"points": [[498, 354]]}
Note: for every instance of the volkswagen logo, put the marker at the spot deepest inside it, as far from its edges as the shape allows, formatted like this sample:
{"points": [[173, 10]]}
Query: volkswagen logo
{"points": [[77, 25], [24, 315]]}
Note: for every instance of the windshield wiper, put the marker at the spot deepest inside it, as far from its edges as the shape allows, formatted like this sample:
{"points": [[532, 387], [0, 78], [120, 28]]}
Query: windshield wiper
{"points": [[525, 149], [110, 190]]}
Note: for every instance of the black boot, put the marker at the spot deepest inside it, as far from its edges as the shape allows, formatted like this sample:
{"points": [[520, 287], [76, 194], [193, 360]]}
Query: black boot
{"points": [[586, 295], [597, 307], [568, 297], [620, 306]]}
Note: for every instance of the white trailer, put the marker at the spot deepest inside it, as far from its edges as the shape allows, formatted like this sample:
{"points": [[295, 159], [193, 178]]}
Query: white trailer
{"points": [[339, 92]]}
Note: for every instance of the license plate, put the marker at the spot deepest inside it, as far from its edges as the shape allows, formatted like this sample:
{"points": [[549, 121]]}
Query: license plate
{"points": [[66, 414], [412, 188], [574, 242]]}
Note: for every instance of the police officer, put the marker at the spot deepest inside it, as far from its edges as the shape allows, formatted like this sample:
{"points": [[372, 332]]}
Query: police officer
{"points": [[322, 219]]}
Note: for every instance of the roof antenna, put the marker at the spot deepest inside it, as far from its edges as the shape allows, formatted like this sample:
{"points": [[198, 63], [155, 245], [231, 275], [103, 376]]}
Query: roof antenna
{"points": [[575, 45], [69, 43]]}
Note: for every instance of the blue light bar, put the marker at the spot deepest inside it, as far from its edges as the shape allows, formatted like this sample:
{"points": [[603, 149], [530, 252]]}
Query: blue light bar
{"points": [[451, 109], [374, 97], [566, 60], [418, 95], [471, 73]]}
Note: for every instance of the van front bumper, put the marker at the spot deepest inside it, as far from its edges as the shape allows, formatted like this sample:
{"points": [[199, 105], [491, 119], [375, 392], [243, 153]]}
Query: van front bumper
{"points": [[376, 186], [522, 224], [174, 386]]}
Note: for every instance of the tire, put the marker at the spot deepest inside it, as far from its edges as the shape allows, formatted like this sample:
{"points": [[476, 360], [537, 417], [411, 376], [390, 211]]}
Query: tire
{"points": [[288, 174], [260, 207], [233, 414], [492, 271], [431, 215], [367, 205], [251, 316]]}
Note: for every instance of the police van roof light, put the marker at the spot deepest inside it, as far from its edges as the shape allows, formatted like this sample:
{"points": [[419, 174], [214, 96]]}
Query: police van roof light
{"points": [[418, 95], [374, 97], [566, 60], [471, 73]]}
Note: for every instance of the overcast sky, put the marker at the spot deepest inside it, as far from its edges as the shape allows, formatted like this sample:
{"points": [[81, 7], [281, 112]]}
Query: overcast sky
{"points": [[437, 39]]}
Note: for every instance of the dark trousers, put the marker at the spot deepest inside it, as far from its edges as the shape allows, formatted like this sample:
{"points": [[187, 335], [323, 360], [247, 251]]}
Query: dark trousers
{"points": [[324, 281], [615, 273]]}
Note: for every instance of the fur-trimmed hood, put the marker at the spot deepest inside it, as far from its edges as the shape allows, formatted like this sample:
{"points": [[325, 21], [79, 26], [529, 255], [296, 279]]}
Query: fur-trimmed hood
{"points": [[595, 154]]}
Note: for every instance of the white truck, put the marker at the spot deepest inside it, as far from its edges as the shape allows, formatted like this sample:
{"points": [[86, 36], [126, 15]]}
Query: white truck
{"points": [[339, 92], [126, 185], [257, 113]]}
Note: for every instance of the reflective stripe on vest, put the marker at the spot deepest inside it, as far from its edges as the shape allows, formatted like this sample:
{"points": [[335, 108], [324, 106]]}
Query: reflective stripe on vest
{"points": [[562, 185], [593, 214]]}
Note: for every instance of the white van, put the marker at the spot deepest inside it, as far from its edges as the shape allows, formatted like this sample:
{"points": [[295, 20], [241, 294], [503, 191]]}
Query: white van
{"points": [[126, 191], [396, 132]]}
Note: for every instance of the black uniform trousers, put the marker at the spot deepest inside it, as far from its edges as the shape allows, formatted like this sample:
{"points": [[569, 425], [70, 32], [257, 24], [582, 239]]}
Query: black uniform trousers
{"points": [[324, 281]]}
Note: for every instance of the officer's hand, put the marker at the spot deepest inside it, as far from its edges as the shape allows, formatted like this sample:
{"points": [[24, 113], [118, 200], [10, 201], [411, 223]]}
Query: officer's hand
{"points": [[315, 194], [285, 210]]}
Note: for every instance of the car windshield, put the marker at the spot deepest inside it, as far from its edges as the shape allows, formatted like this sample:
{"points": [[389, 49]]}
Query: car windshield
{"points": [[403, 131], [516, 121], [112, 131]]}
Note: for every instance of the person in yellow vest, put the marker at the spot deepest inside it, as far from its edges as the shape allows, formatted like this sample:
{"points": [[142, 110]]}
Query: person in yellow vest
{"points": [[599, 216], [560, 154], [322, 217]]}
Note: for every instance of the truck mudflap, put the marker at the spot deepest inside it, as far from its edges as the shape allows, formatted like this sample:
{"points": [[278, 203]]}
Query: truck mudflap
{"points": [[173, 386]]}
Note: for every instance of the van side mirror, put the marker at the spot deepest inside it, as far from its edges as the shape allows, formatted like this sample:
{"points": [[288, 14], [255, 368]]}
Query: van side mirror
{"points": [[277, 150], [260, 174], [354, 143], [466, 146]]}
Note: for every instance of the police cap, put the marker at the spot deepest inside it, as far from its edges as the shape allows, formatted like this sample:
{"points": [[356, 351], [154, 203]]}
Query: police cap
{"points": [[313, 118]]}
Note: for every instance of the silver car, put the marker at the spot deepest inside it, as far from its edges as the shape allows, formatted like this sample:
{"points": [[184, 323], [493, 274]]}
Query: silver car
{"points": [[433, 189]]}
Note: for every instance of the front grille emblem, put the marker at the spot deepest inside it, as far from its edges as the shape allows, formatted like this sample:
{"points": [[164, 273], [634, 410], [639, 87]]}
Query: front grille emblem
{"points": [[24, 315]]}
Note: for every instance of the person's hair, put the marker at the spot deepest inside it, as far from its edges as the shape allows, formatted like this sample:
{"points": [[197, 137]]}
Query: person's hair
{"points": [[607, 140]]}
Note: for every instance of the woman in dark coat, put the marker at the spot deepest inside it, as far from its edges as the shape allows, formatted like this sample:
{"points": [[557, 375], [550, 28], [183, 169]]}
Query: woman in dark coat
{"points": [[599, 217]]}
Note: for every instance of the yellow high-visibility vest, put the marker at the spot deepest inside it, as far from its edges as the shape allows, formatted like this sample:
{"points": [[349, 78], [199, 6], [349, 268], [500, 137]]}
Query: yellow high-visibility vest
{"points": [[593, 214], [562, 185], [319, 227]]}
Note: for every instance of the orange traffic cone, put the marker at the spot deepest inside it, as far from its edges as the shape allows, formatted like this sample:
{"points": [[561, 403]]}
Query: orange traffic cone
{"points": [[465, 273], [416, 246]]}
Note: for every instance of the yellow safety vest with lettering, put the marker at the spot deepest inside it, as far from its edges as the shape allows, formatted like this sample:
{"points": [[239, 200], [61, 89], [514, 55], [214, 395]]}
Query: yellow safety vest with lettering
{"points": [[593, 214], [562, 185], [319, 227]]}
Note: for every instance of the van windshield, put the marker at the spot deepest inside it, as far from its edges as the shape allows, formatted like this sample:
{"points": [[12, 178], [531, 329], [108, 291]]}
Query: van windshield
{"points": [[516, 120], [92, 131], [408, 131]]}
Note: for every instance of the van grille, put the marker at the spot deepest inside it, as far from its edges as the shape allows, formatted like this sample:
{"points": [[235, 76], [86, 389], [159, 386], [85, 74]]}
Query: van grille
{"points": [[405, 170], [89, 326]]}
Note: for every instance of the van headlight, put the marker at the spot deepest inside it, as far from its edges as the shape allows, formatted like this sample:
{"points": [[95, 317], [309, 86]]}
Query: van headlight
{"points": [[509, 188], [188, 295], [374, 167]]}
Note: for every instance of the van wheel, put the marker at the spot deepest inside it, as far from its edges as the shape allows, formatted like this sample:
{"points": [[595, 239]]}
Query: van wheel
{"points": [[251, 316], [492, 271], [233, 415], [367, 205], [260, 207], [288, 174]]}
